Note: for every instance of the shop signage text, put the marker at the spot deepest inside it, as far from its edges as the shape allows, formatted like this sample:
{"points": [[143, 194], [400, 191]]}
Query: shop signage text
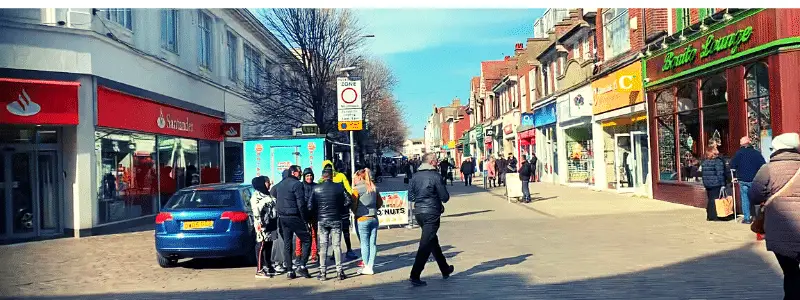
{"points": [[38, 102], [169, 122], [711, 46], [489, 132], [619, 89]]}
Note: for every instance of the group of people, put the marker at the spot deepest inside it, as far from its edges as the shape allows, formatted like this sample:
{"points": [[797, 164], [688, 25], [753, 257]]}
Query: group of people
{"points": [[318, 215], [772, 186], [497, 168]]}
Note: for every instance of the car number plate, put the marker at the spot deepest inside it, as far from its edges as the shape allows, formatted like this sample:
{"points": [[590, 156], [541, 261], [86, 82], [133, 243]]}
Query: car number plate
{"points": [[189, 225]]}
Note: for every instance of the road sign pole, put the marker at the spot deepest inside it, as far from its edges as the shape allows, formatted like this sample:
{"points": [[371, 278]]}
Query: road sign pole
{"points": [[352, 158]]}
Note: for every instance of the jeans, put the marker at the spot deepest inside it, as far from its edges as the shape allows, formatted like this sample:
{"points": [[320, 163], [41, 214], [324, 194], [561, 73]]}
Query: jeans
{"points": [[526, 190], [744, 188], [791, 276], [333, 233], [291, 226], [368, 234], [467, 179], [428, 244]]}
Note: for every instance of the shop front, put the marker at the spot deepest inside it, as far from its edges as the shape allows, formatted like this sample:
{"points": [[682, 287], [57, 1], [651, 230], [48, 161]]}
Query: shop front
{"points": [[510, 143], [477, 141], [526, 135], [739, 78], [575, 148], [145, 157], [620, 131], [33, 115], [546, 149]]}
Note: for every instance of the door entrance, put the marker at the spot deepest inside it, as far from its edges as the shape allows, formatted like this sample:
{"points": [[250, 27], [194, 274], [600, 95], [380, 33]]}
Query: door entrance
{"points": [[29, 192], [632, 161]]}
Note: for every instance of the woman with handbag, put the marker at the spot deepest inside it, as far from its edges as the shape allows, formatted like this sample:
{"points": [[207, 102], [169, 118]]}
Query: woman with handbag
{"points": [[714, 180], [776, 187]]}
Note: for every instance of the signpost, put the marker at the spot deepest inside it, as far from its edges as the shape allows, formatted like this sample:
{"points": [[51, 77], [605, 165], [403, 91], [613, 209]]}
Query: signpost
{"points": [[350, 114]]}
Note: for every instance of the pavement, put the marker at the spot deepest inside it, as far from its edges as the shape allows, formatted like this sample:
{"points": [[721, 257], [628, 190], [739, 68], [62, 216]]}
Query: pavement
{"points": [[570, 243]]}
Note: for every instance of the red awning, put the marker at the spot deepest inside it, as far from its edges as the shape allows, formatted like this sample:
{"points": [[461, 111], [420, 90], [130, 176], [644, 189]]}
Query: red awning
{"points": [[38, 102]]}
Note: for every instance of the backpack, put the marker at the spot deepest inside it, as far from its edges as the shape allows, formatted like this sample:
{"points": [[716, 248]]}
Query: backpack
{"points": [[267, 223]]}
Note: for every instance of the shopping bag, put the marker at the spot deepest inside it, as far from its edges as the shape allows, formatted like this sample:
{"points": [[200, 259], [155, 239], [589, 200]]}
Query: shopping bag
{"points": [[724, 204]]}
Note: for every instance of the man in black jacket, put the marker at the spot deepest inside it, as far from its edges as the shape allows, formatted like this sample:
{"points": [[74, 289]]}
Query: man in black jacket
{"points": [[330, 200], [428, 193], [500, 166], [292, 215], [467, 169], [525, 172]]}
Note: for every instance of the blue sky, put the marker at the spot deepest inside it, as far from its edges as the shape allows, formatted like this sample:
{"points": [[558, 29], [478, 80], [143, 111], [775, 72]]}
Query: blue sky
{"points": [[435, 52]]}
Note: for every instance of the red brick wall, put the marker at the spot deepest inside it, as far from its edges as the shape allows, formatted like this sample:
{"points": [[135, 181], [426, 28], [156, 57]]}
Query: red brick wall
{"points": [[694, 15], [783, 86], [687, 194], [657, 20], [599, 33]]}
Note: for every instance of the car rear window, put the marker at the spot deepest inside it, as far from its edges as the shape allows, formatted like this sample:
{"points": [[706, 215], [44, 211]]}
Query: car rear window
{"points": [[202, 199]]}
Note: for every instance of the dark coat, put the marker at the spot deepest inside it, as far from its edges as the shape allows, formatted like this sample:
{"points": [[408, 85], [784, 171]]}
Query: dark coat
{"points": [[747, 161], [715, 173], [427, 191], [500, 166], [511, 165], [525, 171], [330, 200], [291, 198], [782, 214], [468, 167]]}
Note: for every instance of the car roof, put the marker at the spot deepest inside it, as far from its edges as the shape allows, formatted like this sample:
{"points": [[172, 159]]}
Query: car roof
{"points": [[217, 187]]}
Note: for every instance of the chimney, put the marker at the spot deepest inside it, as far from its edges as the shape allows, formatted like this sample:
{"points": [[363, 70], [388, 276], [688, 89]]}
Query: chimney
{"points": [[456, 102], [519, 49], [507, 57]]}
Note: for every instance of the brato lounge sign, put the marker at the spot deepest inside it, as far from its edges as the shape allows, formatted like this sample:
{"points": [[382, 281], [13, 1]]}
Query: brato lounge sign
{"points": [[711, 46]]}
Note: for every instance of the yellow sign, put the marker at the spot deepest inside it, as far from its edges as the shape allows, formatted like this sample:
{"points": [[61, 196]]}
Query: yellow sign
{"points": [[351, 126], [619, 89], [624, 121], [451, 144]]}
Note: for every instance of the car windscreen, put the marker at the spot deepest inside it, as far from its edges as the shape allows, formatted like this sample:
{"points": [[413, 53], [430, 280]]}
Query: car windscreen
{"points": [[202, 199]]}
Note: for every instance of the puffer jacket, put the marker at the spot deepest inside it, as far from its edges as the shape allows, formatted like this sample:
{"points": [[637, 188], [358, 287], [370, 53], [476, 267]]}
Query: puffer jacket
{"points": [[427, 191], [782, 214], [291, 198], [714, 173], [330, 200], [338, 177]]}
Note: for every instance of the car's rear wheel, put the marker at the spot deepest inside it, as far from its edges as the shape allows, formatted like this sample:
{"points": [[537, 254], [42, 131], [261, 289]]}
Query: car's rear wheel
{"points": [[166, 262]]}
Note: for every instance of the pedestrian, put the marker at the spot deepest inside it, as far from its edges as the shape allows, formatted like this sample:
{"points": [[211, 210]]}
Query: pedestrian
{"points": [[511, 166], [714, 180], [491, 168], [341, 178], [467, 170], [444, 168], [293, 218], [428, 194], [365, 209], [500, 169], [308, 184], [534, 166], [330, 200], [265, 221], [747, 161], [277, 245], [775, 187], [525, 173]]}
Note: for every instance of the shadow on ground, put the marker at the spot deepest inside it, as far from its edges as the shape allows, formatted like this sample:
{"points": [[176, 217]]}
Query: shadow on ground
{"points": [[735, 274], [469, 213]]}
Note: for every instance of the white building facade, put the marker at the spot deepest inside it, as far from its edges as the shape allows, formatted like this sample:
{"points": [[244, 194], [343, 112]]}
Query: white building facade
{"points": [[116, 109]]}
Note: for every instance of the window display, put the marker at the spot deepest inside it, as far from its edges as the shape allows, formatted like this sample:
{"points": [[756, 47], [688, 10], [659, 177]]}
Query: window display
{"points": [[178, 161], [758, 114], [209, 162]]}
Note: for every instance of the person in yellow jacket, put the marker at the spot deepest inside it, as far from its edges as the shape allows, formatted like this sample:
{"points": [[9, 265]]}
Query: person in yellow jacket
{"points": [[339, 177]]}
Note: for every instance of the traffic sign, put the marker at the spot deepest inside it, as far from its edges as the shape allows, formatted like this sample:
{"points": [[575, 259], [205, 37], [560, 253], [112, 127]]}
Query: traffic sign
{"points": [[351, 125], [346, 115], [348, 93]]}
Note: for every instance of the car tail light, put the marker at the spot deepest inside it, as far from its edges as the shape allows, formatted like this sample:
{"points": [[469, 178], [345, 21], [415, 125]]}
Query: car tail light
{"points": [[235, 216], [164, 216]]}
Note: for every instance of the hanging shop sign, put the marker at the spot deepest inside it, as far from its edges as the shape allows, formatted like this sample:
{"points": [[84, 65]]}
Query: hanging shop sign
{"points": [[38, 102], [724, 41], [544, 115], [618, 89], [489, 132], [526, 119], [231, 130]]}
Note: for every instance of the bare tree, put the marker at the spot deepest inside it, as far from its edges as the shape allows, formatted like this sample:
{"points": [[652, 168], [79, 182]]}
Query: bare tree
{"points": [[387, 128], [299, 87]]}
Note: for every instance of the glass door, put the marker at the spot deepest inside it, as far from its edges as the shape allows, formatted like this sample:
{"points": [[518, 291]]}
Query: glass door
{"points": [[624, 162], [641, 154], [48, 196]]}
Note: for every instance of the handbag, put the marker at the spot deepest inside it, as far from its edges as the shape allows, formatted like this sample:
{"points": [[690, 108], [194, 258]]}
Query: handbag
{"points": [[758, 223], [724, 204]]}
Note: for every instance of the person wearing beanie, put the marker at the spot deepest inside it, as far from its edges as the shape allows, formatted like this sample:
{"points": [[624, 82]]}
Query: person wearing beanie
{"points": [[775, 187], [309, 183], [340, 178]]}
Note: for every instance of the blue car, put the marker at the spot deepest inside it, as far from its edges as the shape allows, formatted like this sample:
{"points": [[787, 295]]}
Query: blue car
{"points": [[206, 221]]}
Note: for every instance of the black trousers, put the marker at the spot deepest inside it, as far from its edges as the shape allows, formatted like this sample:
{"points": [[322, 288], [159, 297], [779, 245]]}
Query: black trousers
{"points": [[467, 179], [711, 205], [264, 255], [501, 179], [428, 244], [291, 226], [791, 276]]}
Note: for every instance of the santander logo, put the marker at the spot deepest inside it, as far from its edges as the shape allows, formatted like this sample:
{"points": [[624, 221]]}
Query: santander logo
{"points": [[23, 106], [231, 131], [168, 122]]}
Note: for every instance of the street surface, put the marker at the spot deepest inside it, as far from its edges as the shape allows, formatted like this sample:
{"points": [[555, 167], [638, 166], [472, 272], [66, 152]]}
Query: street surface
{"points": [[571, 243]]}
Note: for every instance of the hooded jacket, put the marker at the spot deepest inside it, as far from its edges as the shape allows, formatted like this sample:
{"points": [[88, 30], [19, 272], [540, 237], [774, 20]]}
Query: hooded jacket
{"points": [[782, 214], [337, 177], [291, 198], [309, 187], [275, 186], [265, 217]]}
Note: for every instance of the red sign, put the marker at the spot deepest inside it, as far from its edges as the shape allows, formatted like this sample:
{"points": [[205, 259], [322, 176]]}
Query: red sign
{"points": [[231, 129], [118, 110], [38, 102], [508, 129]]}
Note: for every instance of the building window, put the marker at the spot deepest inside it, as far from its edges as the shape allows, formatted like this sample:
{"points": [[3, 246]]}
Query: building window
{"points": [[562, 64], [122, 16], [169, 29], [665, 121], [586, 49], [576, 50], [759, 126], [252, 64], [233, 55], [715, 114], [684, 18], [616, 32], [204, 25]]}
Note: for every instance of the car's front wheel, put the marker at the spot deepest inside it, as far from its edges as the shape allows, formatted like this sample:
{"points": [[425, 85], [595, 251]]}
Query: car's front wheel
{"points": [[166, 262]]}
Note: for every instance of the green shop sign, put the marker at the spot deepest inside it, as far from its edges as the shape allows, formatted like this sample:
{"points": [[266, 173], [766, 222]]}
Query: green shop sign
{"points": [[710, 47]]}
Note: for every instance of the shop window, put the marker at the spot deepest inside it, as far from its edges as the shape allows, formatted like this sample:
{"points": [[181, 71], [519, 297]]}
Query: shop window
{"points": [[121, 16], [759, 127], [715, 114], [126, 175], [209, 162], [688, 119], [665, 122], [178, 165]]}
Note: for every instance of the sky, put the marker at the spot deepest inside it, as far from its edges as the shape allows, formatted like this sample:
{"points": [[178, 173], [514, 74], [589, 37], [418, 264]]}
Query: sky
{"points": [[435, 52]]}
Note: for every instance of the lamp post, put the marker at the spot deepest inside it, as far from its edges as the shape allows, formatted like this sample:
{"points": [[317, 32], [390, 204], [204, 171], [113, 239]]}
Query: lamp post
{"points": [[346, 70]]}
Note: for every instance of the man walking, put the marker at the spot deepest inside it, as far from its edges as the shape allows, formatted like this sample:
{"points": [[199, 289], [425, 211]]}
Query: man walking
{"points": [[444, 168], [292, 214], [747, 161], [428, 193], [525, 172], [467, 169], [501, 166], [330, 200]]}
